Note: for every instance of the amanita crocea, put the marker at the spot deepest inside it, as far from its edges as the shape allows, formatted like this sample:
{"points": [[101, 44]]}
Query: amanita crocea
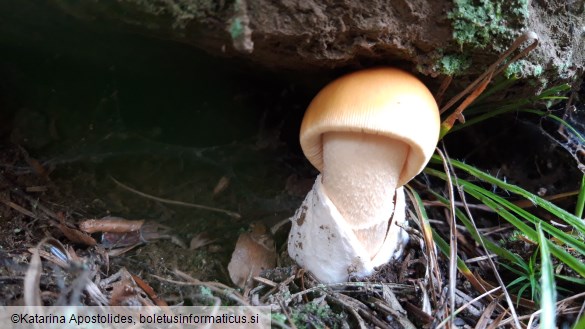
{"points": [[368, 133]]}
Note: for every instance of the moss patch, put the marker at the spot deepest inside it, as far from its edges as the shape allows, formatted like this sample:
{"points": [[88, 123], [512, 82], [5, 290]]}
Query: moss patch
{"points": [[479, 23], [523, 68], [453, 64], [318, 315]]}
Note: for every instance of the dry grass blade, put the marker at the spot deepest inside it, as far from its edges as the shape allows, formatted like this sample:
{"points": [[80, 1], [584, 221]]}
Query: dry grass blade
{"points": [[562, 307], [485, 317], [443, 88], [430, 249], [53, 251], [96, 294], [527, 303], [393, 306], [34, 203], [564, 303], [452, 241], [19, 208], [464, 306], [490, 260], [448, 165], [216, 287], [497, 322], [177, 203], [32, 279]]}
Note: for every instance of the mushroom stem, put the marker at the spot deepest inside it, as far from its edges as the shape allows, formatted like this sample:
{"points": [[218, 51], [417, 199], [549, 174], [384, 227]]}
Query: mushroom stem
{"points": [[360, 176]]}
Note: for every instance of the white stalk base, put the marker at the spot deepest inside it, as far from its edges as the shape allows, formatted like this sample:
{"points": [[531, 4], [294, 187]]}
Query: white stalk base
{"points": [[322, 241]]}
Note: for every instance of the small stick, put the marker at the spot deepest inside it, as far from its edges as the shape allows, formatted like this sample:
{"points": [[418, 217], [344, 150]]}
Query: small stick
{"points": [[110, 224], [177, 203]]}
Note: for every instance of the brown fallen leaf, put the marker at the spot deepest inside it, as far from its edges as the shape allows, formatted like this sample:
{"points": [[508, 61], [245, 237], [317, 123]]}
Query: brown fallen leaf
{"points": [[254, 252], [124, 291], [76, 236], [149, 291], [73, 234]]}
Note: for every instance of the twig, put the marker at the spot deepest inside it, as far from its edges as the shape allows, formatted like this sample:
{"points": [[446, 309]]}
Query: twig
{"points": [[175, 202], [442, 88], [217, 287], [18, 208], [349, 306], [361, 285]]}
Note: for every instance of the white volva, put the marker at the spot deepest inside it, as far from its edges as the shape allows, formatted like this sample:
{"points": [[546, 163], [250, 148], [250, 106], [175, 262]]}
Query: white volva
{"points": [[323, 242]]}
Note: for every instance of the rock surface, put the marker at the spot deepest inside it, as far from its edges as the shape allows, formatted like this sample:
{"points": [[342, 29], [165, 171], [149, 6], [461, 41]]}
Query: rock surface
{"points": [[433, 37]]}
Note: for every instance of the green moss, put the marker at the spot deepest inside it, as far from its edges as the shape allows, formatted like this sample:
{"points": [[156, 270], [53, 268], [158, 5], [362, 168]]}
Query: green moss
{"points": [[316, 315], [236, 28], [478, 23], [523, 68], [453, 64]]}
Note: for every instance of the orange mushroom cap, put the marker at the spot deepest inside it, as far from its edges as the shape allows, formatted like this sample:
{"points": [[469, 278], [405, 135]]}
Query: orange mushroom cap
{"points": [[379, 101]]}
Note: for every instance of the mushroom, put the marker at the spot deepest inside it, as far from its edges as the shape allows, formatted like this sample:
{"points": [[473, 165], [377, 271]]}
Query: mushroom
{"points": [[368, 133]]}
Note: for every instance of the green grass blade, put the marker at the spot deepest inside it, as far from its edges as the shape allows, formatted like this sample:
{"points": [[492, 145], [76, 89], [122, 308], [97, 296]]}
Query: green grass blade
{"points": [[571, 279], [564, 123], [479, 112], [562, 214], [548, 297], [500, 205], [580, 324], [562, 236], [580, 199], [478, 237], [445, 249]]}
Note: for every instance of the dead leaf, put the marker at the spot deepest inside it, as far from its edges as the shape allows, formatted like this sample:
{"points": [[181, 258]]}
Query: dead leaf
{"points": [[76, 236], [124, 291], [149, 291], [254, 252]]}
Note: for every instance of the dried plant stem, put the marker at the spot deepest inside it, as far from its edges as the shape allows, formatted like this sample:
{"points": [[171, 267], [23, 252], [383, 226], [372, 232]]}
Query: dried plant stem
{"points": [[177, 203]]}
